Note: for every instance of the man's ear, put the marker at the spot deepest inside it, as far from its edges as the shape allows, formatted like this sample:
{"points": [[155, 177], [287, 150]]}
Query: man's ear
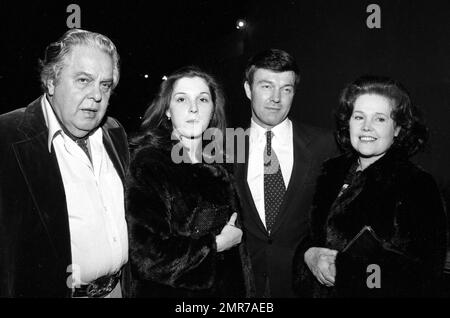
{"points": [[248, 90], [50, 87]]}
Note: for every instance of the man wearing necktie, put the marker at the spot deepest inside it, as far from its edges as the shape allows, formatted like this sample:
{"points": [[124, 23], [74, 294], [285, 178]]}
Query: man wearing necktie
{"points": [[276, 181], [62, 165]]}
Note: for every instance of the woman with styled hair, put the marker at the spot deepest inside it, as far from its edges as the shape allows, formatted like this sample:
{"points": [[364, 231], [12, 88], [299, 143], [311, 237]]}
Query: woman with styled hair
{"points": [[378, 221], [182, 209]]}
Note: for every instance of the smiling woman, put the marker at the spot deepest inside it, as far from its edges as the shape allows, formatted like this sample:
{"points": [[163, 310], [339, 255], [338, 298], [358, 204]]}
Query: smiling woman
{"points": [[374, 184], [372, 129]]}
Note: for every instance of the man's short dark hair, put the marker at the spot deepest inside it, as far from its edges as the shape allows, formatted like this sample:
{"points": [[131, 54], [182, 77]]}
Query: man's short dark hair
{"points": [[274, 60]]}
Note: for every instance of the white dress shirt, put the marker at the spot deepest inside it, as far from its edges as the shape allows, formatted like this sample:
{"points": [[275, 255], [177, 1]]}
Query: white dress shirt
{"points": [[95, 203], [282, 144]]}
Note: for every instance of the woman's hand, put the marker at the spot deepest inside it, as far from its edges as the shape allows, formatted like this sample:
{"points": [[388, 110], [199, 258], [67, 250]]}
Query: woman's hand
{"points": [[321, 263], [230, 235]]}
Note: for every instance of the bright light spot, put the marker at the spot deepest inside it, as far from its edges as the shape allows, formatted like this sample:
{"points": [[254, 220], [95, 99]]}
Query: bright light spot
{"points": [[146, 76], [241, 24], [164, 78]]}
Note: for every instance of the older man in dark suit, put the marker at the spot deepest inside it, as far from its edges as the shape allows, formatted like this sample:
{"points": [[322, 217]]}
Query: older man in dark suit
{"points": [[277, 180], [62, 164]]}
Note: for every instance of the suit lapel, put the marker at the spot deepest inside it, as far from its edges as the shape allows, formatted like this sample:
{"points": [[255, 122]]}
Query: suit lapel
{"points": [[302, 164], [41, 173], [111, 142], [244, 189]]}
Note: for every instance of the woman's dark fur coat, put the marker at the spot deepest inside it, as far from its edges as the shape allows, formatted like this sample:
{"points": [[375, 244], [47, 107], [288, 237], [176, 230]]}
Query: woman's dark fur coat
{"points": [[403, 206], [172, 246]]}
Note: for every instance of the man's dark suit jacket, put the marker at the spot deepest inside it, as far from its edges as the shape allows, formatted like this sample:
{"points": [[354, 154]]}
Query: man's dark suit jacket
{"points": [[272, 255], [35, 249]]}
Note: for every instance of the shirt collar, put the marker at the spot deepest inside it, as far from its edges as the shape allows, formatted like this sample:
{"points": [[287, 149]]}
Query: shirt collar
{"points": [[51, 122], [282, 129], [54, 128], [258, 133]]}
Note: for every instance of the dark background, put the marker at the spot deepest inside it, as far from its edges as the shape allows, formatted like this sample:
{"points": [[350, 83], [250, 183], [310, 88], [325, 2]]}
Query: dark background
{"points": [[330, 40]]}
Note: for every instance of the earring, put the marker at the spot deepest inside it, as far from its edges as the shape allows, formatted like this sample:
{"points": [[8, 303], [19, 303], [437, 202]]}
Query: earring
{"points": [[168, 118]]}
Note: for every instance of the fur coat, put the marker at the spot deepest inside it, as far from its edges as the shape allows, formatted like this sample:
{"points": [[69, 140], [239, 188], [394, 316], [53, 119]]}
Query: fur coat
{"points": [[402, 204], [174, 212]]}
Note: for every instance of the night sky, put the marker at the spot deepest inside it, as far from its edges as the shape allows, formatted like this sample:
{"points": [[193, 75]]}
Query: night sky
{"points": [[329, 38], [152, 38]]}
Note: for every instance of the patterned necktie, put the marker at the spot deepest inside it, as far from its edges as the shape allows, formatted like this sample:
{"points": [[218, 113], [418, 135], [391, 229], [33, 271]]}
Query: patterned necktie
{"points": [[82, 142], [274, 188]]}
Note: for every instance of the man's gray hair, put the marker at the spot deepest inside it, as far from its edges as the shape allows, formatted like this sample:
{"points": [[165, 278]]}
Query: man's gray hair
{"points": [[56, 52]]}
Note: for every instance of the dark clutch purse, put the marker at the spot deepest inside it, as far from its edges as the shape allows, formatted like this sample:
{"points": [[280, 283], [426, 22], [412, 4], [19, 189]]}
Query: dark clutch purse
{"points": [[365, 243], [210, 220], [364, 249], [351, 263]]}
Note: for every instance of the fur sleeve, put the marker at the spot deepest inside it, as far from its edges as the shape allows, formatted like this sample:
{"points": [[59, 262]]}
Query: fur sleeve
{"points": [[160, 250], [304, 282], [303, 279], [411, 262], [421, 227]]}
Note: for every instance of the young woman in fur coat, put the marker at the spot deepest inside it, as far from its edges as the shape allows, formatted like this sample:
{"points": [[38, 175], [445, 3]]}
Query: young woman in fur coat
{"points": [[374, 184], [182, 212]]}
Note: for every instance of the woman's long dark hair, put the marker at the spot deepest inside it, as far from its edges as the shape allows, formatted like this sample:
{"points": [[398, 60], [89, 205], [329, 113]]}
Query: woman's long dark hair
{"points": [[156, 128]]}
